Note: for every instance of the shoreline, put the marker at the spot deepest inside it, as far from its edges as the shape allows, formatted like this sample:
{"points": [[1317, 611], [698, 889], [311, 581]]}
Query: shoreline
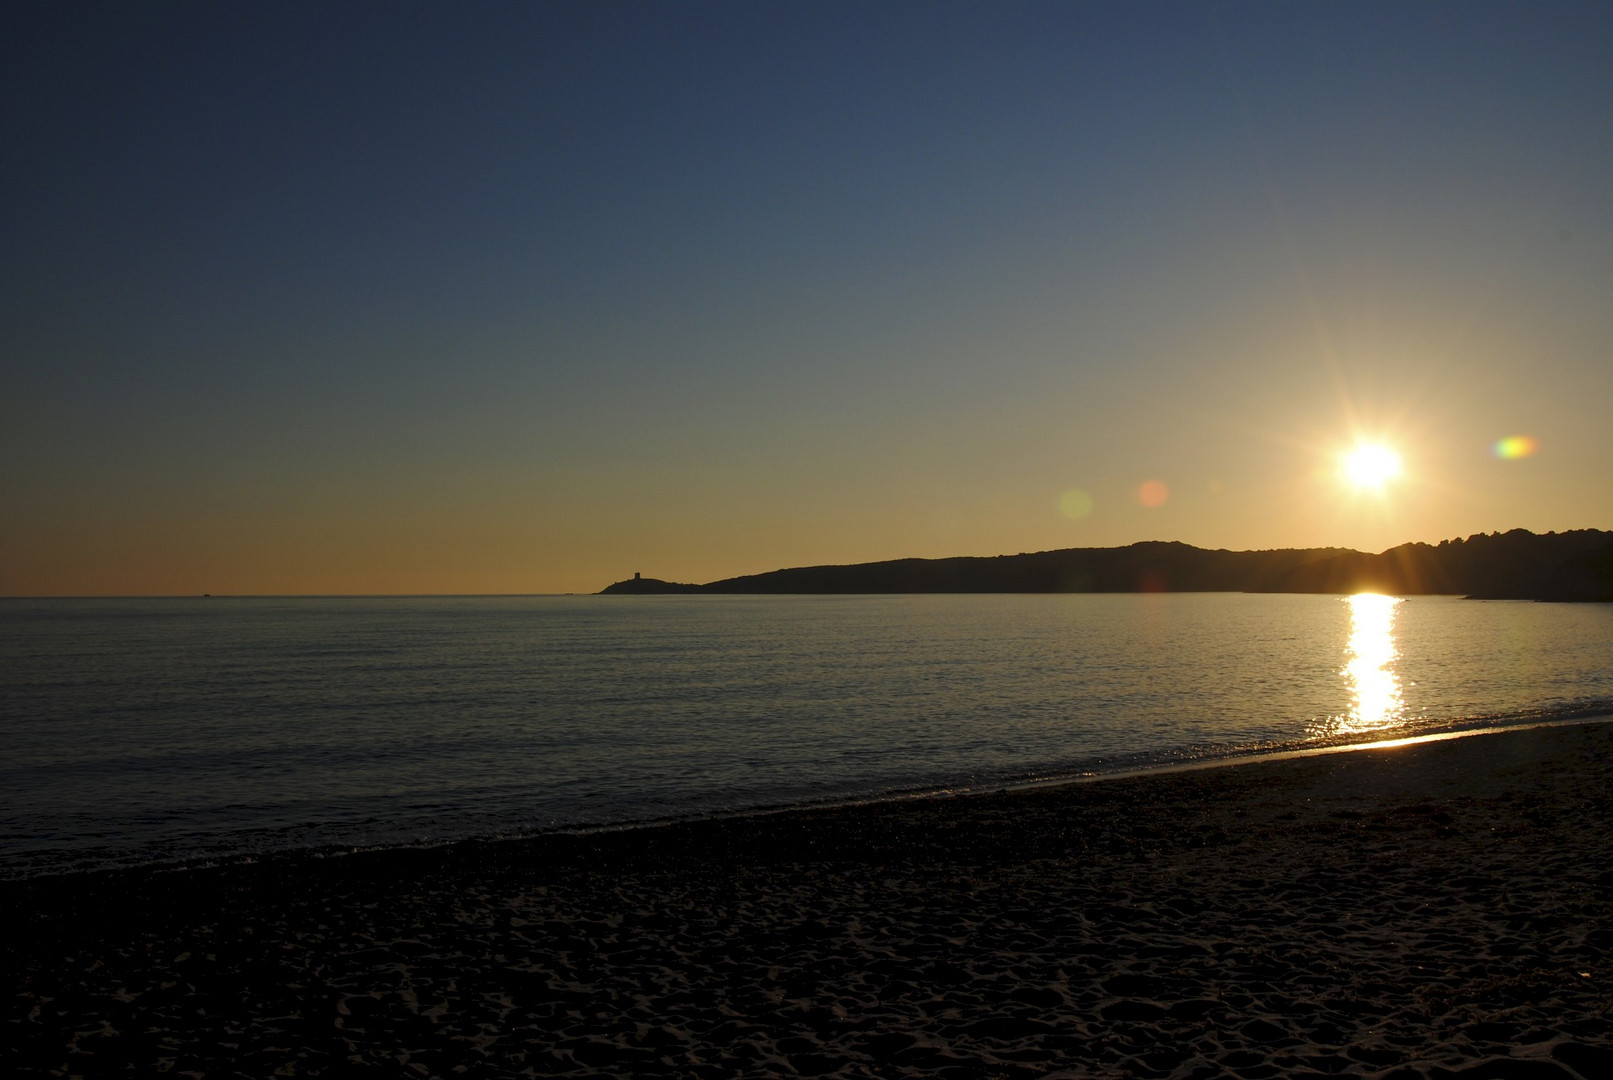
{"points": [[1098, 773], [1422, 907]]}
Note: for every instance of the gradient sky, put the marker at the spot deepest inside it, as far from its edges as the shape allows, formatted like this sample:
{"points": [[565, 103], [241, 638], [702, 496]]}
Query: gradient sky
{"points": [[377, 298]]}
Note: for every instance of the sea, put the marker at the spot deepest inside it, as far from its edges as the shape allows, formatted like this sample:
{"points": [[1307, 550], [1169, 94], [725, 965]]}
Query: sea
{"points": [[179, 731]]}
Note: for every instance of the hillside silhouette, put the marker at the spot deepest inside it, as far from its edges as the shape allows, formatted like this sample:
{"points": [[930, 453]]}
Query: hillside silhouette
{"points": [[1516, 565]]}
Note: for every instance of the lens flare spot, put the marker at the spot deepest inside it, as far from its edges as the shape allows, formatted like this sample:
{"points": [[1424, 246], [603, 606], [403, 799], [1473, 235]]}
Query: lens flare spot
{"points": [[1153, 494], [1075, 504], [1514, 447]]}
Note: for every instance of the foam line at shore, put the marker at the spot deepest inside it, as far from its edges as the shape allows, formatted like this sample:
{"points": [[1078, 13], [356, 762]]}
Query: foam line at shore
{"points": [[1314, 751]]}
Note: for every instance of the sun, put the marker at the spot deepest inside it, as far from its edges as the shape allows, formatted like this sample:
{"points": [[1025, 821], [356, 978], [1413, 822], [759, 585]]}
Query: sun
{"points": [[1370, 466]]}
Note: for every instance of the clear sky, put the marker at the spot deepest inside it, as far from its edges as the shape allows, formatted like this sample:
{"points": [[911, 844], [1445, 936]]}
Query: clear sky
{"points": [[527, 297]]}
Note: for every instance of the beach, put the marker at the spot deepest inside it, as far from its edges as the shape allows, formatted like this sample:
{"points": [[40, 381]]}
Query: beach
{"points": [[1429, 910]]}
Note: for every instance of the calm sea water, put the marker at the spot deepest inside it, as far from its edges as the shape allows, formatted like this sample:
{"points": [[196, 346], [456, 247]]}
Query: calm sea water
{"points": [[136, 731]]}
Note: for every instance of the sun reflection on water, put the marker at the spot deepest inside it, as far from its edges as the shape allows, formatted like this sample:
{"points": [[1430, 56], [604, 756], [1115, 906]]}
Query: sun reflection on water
{"points": [[1369, 669]]}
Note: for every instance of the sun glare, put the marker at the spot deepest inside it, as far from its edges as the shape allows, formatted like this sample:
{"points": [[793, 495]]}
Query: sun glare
{"points": [[1369, 466], [1374, 685]]}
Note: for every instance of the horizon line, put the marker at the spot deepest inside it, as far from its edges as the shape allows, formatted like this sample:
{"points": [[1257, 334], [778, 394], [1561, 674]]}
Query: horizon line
{"points": [[870, 562]]}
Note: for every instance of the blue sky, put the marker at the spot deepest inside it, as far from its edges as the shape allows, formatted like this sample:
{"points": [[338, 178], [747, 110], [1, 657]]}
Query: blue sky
{"points": [[527, 297]]}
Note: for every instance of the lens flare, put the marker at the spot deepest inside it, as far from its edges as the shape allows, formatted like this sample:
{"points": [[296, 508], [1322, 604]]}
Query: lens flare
{"points": [[1075, 504], [1514, 447], [1153, 494]]}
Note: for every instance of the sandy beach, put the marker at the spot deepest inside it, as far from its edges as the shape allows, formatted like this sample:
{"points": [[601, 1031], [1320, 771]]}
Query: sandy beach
{"points": [[1436, 910]]}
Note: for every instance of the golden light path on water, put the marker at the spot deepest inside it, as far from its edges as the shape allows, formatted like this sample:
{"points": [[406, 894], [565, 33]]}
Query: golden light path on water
{"points": [[1376, 701]]}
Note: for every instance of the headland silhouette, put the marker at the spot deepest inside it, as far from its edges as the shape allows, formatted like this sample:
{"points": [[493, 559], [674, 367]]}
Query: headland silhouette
{"points": [[1516, 565]]}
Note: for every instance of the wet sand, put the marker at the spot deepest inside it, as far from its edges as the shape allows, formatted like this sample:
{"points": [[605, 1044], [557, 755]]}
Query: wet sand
{"points": [[1437, 910]]}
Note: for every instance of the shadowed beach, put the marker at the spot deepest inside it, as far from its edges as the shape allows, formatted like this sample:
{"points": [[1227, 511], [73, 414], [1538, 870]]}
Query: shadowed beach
{"points": [[1434, 910]]}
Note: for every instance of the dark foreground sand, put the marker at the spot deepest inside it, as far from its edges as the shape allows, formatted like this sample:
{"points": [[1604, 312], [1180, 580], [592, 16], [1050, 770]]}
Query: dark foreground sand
{"points": [[1438, 910]]}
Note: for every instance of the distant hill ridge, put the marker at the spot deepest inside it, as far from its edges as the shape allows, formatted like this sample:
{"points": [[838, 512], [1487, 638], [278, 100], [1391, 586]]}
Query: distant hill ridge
{"points": [[1516, 565]]}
